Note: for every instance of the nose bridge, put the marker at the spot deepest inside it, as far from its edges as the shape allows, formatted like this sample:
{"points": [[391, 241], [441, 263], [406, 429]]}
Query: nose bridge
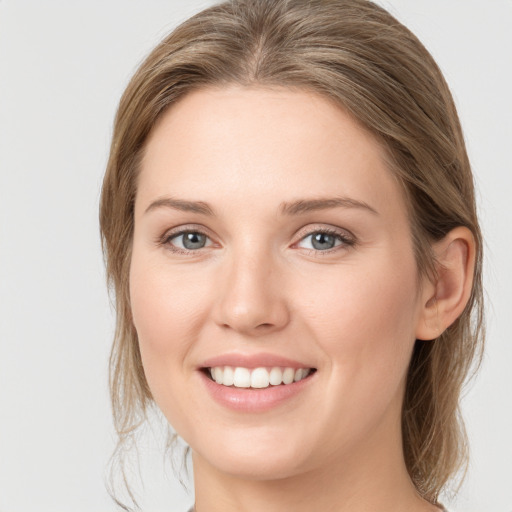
{"points": [[253, 300]]}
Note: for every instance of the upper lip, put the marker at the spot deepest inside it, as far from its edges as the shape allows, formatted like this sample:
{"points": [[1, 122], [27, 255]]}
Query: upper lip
{"points": [[253, 361]]}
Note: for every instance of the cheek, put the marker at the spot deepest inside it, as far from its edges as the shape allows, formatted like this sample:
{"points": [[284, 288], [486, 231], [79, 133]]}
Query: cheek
{"points": [[164, 303], [365, 324], [167, 318]]}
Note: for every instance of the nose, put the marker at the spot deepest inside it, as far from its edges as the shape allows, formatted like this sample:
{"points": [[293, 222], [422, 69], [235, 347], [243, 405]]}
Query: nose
{"points": [[252, 300]]}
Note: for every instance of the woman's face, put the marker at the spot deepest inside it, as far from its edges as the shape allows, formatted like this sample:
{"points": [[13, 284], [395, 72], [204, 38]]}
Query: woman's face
{"points": [[271, 239]]}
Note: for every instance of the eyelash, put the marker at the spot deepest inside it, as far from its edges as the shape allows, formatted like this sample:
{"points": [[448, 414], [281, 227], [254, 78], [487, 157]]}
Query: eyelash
{"points": [[347, 240]]}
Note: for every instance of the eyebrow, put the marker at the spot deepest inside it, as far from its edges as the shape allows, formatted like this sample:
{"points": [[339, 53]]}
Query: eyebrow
{"points": [[184, 206], [309, 205], [297, 207]]}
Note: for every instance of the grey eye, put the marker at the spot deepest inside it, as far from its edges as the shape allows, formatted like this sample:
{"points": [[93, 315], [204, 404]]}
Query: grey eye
{"points": [[194, 240], [322, 241], [190, 240]]}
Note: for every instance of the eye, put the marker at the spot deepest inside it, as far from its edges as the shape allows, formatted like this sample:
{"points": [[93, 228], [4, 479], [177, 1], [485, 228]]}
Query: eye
{"points": [[324, 240], [188, 241]]}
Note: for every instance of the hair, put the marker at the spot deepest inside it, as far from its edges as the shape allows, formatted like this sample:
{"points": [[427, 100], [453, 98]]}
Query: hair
{"points": [[356, 54]]}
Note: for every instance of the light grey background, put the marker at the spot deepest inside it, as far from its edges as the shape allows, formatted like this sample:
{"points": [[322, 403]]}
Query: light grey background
{"points": [[63, 66]]}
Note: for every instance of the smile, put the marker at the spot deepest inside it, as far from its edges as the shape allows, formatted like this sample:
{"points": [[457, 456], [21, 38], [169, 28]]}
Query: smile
{"points": [[257, 378]]}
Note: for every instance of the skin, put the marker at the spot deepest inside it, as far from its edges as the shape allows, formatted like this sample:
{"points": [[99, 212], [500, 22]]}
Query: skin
{"points": [[258, 285]]}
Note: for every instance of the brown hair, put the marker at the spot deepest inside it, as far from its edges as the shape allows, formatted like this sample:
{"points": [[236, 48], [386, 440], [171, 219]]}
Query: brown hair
{"points": [[358, 55]]}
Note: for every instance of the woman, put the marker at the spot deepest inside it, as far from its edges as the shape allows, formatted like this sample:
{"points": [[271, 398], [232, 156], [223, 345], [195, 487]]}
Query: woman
{"points": [[289, 224]]}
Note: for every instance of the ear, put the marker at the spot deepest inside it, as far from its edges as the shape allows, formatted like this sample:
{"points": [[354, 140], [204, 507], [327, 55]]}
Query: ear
{"points": [[444, 300]]}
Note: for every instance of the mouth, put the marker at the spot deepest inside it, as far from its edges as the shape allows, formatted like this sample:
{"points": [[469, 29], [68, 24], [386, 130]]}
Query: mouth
{"points": [[256, 378]]}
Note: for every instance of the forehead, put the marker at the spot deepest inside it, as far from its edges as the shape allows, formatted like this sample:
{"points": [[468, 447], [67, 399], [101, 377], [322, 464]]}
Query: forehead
{"points": [[262, 146]]}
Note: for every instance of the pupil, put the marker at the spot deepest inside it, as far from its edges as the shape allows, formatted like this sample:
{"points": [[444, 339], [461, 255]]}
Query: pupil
{"points": [[194, 240], [323, 241]]}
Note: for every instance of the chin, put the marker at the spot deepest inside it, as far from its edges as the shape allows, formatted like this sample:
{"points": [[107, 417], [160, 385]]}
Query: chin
{"points": [[254, 457], [257, 467]]}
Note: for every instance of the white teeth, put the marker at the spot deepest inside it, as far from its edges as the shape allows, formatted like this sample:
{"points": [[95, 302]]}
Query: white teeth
{"points": [[276, 376], [256, 378], [218, 375], [260, 378], [288, 375], [242, 378], [229, 376]]}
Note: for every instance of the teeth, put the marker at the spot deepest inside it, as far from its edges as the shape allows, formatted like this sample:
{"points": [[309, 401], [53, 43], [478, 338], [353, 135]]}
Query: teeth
{"points": [[288, 375], [217, 375], [298, 375], [229, 376], [242, 378], [257, 378], [260, 378], [276, 376]]}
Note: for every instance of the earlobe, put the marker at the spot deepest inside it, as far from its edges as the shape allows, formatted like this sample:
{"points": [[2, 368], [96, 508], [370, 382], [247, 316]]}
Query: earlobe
{"points": [[446, 298]]}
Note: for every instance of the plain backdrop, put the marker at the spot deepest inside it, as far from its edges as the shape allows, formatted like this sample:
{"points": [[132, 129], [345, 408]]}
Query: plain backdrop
{"points": [[63, 67]]}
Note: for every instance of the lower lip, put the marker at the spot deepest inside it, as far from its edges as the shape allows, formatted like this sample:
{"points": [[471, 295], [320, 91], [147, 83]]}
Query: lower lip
{"points": [[254, 400]]}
